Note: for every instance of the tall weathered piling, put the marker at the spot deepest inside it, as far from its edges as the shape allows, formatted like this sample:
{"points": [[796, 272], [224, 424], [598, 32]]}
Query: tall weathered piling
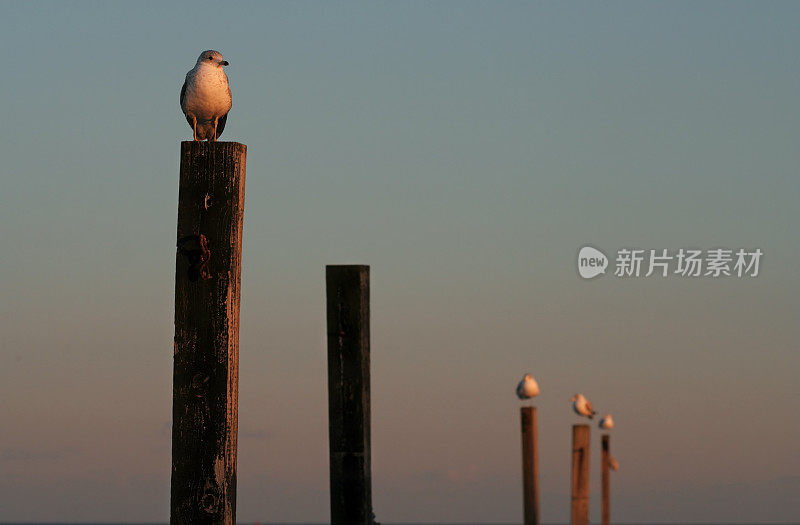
{"points": [[206, 359], [606, 459], [530, 465], [347, 290], [579, 511]]}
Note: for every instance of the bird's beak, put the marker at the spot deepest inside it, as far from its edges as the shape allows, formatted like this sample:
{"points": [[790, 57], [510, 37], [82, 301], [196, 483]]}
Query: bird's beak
{"points": [[224, 63]]}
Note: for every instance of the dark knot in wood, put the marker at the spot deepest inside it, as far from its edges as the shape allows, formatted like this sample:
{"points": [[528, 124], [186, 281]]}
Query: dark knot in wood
{"points": [[195, 249], [200, 383], [209, 503]]}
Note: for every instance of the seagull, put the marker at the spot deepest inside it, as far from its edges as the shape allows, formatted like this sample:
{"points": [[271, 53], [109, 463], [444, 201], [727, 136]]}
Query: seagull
{"points": [[206, 96], [582, 406], [607, 422], [613, 463], [528, 387]]}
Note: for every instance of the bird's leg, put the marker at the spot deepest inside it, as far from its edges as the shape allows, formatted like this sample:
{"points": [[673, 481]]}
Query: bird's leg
{"points": [[214, 135], [194, 127]]}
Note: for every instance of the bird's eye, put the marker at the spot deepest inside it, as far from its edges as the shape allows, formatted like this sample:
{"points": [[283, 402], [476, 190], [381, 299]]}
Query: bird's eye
{"points": [[211, 58]]}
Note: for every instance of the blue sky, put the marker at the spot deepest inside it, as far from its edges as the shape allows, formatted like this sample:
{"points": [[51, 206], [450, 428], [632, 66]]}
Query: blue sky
{"points": [[466, 151]]}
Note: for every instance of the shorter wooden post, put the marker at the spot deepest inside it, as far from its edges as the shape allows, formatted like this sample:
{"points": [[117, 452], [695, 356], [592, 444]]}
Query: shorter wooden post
{"points": [[606, 481], [530, 465], [579, 512], [347, 289]]}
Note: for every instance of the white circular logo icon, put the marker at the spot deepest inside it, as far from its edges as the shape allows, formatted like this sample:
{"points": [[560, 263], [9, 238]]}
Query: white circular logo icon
{"points": [[591, 262]]}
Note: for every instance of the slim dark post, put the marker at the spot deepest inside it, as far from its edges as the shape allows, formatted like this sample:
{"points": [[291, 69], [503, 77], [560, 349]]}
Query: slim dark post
{"points": [[606, 481], [530, 465], [206, 360], [348, 394], [580, 475]]}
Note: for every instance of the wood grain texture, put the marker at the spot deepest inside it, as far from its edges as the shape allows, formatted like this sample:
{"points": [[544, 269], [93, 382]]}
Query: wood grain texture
{"points": [[347, 290], [206, 359], [579, 511], [606, 457], [530, 466]]}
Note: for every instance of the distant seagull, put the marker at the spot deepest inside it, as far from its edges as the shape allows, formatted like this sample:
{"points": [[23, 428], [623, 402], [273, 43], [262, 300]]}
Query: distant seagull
{"points": [[582, 406], [528, 387], [607, 422], [206, 96], [613, 463]]}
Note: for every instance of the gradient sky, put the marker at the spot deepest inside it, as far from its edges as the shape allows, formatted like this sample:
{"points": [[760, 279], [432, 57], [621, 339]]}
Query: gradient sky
{"points": [[465, 150]]}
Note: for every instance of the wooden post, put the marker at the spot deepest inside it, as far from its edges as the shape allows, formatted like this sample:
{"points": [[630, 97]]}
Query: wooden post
{"points": [[606, 485], [530, 466], [349, 395], [206, 361], [580, 475]]}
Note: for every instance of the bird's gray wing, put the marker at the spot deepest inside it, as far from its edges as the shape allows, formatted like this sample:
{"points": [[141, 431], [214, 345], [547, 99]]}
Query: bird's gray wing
{"points": [[183, 100], [224, 118], [183, 93], [221, 124]]}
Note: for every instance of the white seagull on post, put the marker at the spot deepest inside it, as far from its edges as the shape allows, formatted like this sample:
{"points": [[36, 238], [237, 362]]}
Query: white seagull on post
{"points": [[528, 387], [606, 422], [582, 406], [206, 96]]}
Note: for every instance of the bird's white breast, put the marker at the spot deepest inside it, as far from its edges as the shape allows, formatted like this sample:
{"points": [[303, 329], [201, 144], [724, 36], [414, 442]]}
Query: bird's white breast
{"points": [[531, 387], [207, 93]]}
